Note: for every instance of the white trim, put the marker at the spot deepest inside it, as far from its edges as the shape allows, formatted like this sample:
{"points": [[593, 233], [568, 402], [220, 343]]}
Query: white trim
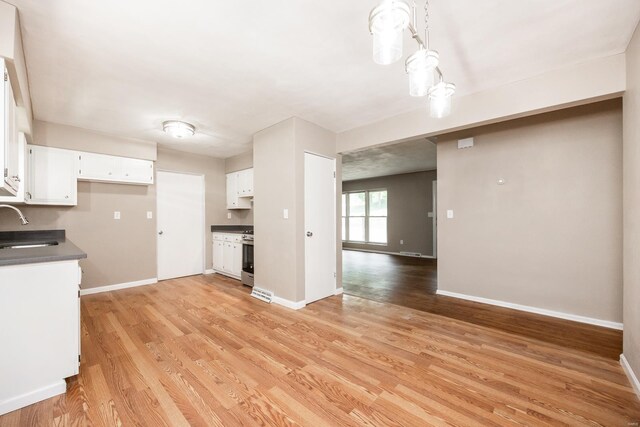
{"points": [[385, 252], [633, 379], [536, 310], [209, 271], [118, 286], [338, 291], [289, 304], [29, 398]]}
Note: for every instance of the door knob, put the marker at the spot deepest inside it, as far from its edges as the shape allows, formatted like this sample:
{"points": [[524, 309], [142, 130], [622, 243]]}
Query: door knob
{"points": [[309, 234], [161, 232]]}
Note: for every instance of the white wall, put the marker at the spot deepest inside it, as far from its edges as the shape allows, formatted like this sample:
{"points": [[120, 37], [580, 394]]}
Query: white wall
{"points": [[551, 237]]}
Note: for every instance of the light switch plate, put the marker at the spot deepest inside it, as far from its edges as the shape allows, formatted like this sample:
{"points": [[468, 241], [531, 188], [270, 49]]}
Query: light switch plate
{"points": [[285, 214], [149, 215], [228, 215], [402, 242], [450, 213], [116, 215]]}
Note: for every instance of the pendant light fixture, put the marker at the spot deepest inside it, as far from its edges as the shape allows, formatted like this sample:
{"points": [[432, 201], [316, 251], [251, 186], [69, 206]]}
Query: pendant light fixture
{"points": [[387, 22]]}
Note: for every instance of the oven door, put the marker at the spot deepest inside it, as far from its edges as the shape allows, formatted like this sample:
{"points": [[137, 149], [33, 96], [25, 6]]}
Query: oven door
{"points": [[246, 275]]}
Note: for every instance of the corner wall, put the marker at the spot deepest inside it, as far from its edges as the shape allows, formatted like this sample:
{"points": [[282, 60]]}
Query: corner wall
{"points": [[551, 236], [631, 222]]}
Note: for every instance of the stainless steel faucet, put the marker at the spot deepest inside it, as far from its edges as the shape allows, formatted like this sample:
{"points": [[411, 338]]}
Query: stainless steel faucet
{"points": [[23, 219]]}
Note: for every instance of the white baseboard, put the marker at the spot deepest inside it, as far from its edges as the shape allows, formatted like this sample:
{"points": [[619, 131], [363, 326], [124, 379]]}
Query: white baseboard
{"points": [[294, 305], [209, 271], [633, 379], [109, 288], [26, 399], [338, 291], [388, 253], [536, 310]]}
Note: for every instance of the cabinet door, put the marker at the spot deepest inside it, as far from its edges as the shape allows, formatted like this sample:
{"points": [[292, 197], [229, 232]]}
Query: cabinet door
{"points": [[98, 167], [232, 191], [9, 164], [249, 182], [218, 250], [52, 176], [237, 259], [137, 171], [227, 257]]}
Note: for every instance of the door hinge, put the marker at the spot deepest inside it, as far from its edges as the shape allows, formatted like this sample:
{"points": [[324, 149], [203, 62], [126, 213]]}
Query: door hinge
{"points": [[6, 77], [6, 172], [78, 293], [334, 174], [335, 275], [79, 358]]}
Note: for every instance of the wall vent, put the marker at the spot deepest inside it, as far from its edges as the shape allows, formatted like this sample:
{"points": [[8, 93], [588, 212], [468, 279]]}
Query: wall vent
{"points": [[262, 294], [415, 254], [465, 143]]}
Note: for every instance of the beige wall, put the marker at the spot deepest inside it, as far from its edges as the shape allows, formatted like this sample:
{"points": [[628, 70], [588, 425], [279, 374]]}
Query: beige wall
{"points": [[278, 154], [551, 237], [583, 83], [73, 138], [119, 251], [409, 200], [631, 202], [214, 182], [239, 162], [274, 189]]}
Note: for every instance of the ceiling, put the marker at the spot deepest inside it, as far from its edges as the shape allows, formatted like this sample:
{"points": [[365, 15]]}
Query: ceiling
{"points": [[233, 68], [405, 157]]}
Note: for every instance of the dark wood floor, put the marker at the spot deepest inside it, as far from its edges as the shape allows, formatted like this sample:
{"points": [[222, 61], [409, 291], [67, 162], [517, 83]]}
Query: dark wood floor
{"points": [[199, 351], [412, 282]]}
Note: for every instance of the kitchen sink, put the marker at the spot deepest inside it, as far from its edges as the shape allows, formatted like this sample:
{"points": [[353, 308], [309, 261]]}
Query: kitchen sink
{"points": [[24, 245]]}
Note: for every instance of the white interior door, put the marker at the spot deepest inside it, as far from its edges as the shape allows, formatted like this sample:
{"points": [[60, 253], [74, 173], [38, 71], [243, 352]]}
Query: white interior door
{"points": [[320, 227], [181, 228]]}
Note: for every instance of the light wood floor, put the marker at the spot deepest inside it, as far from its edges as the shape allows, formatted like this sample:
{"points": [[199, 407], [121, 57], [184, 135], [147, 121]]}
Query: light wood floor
{"points": [[200, 351]]}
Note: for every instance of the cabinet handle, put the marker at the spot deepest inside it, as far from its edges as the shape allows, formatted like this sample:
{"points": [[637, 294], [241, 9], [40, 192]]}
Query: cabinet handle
{"points": [[66, 197], [16, 178]]}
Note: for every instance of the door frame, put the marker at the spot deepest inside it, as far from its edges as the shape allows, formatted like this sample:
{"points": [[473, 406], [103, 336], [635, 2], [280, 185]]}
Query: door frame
{"points": [[204, 216], [335, 223], [434, 209]]}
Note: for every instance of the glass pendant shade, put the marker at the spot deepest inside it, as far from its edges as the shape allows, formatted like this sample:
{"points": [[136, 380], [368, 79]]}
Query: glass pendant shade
{"points": [[421, 66], [387, 21], [440, 99]]}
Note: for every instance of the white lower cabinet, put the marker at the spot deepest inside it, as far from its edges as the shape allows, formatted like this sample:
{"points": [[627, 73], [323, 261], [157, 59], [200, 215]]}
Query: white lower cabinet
{"points": [[40, 341], [52, 176], [227, 254]]}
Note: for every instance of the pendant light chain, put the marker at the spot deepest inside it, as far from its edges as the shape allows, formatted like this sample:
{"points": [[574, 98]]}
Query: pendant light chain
{"points": [[426, 23]]}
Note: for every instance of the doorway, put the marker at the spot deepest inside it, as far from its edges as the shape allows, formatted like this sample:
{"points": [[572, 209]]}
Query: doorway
{"points": [[180, 224], [320, 227]]}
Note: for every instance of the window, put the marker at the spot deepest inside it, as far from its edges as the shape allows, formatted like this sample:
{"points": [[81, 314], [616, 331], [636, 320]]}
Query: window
{"points": [[364, 216]]}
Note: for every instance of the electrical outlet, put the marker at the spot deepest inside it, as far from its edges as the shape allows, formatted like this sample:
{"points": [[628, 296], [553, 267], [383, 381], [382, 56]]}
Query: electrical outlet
{"points": [[450, 213], [116, 215], [228, 215], [285, 214], [149, 215], [402, 242]]}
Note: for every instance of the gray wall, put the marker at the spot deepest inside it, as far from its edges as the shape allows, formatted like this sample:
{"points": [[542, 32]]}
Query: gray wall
{"points": [[409, 200], [551, 237], [631, 202]]}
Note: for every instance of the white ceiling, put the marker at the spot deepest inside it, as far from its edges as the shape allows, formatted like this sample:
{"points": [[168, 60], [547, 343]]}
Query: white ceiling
{"points": [[405, 157], [235, 67]]}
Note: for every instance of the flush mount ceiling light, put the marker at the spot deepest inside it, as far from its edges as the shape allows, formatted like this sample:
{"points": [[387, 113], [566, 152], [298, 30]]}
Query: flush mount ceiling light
{"points": [[178, 129], [387, 22]]}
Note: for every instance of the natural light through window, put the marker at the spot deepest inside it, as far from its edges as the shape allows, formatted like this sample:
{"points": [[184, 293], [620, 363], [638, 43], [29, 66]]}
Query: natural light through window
{"points": [[364, 216]]}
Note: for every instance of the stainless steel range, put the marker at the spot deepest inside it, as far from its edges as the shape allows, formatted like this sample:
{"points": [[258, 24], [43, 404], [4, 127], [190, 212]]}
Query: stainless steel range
{"points": [[246, 276]]}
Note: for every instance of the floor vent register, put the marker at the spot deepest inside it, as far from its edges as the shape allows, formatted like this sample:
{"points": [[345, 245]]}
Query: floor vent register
{"points": [[262, 294]]}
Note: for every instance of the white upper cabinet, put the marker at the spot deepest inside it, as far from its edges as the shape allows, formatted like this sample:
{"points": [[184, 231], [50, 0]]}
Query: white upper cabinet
{"points": [[9, 143], [105, 168], [52, 176], [240, 189]]}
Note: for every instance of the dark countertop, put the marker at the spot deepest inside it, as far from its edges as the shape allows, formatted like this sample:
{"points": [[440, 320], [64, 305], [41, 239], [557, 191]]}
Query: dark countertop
{"points": [[63, 251], [235, 229]]}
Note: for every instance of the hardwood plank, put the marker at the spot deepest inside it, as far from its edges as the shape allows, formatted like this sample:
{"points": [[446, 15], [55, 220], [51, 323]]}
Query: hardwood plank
{"points": [[200, 351]]}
